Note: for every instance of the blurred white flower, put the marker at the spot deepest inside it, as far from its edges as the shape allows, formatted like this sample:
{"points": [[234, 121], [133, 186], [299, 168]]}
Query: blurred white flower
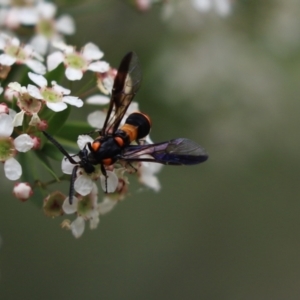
{"points": [[55, 97], [27, 104], [49, 30], [10, 146], [222, 7], [16, 53], [16, 13], [86, 209], [77, 63], [147, 172]]}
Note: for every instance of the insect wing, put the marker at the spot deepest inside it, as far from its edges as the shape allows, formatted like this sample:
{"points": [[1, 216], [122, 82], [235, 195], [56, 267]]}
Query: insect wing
{"points": [[179, 151], [126, 85]]}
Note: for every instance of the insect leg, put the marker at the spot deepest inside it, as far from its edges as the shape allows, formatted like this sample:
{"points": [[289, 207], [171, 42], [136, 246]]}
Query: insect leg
{"points": [[103, 170], [71, 189]]}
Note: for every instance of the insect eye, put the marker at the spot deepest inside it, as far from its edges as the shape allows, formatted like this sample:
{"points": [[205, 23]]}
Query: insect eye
{"points": [[96, 146]]}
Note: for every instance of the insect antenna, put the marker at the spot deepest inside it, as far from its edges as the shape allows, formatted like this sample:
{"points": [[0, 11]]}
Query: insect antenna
{"points": [[60, 147]]}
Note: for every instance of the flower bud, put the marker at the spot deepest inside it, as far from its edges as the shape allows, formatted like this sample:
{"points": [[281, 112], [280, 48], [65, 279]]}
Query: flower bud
{"points": [[3, 108], [22, 191], [42, 125], [36, 142]]}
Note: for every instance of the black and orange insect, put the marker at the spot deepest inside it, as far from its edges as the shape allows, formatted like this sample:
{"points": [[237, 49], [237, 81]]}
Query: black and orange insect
{"points": [[114, 142]]}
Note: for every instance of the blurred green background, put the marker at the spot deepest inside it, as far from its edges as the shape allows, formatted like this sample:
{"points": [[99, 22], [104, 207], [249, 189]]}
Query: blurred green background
{"points": [[227, 229]]}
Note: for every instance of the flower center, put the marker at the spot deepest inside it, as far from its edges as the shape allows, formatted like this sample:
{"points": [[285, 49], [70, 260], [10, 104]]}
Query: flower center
{"points": [[74, 60], [50, 95], [16, 52], [7, 148], [85, 205], [53, 204], [29, 104], [46, 28]]}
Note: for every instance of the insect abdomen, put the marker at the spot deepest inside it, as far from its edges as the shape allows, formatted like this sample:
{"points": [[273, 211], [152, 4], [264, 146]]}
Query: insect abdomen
{"points": [[137, 126]]}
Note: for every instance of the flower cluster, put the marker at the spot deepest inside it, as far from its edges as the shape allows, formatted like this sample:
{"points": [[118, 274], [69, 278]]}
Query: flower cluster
{"points": [[33, 101], [221, 7]]}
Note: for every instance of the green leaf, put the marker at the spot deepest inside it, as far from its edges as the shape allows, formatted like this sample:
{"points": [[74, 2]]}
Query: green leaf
{"points": [[55, 120], [52, 151], [45, 163], [29, 174], [57, 74], [71, 130]]}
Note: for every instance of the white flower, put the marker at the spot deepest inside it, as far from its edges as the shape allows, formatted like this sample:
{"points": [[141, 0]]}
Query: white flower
{"points": [[50, 30], [8, 147], [25, 13], [14, 52], [222, 7], [86, 209], [77, 227], [55, 97], [77, 62], [106, 205], [84, 182], [147, 172], [27, 104]]}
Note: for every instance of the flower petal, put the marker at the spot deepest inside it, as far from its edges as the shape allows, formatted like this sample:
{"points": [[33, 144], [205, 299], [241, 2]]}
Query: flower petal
{"points": [[35, 119], [96, 119], [46, 10], [40, 80], [6, 125], [12, 169], [28, 15], [202, 5], [109, 184], [54, 59], [15, 86], [106, 205], [70, 208], [94, 219], [58, 106], [98, 66], [40, 44], [77, 227], [83, 139], [36, 66], [23, 142], [151, 181], [97, 99], [33, 91], [83, 185], [65, 24], [60, 89], [73, 74], [18, 119], [73, 101], [7, 60], [68, 167], [92, 52]]}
